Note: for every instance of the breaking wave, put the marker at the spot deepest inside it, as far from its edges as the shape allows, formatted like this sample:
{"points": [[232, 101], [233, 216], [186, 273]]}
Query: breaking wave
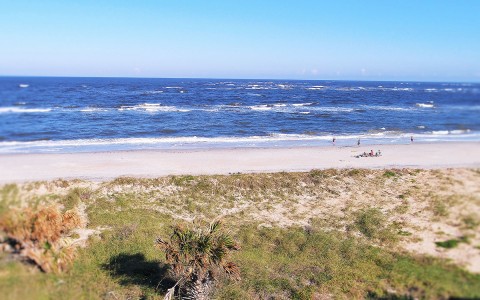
{"points": [[195, 142], [23, 110]]}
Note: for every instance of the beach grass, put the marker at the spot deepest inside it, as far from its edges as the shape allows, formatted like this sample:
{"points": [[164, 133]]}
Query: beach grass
{"points": [[326, 233]]}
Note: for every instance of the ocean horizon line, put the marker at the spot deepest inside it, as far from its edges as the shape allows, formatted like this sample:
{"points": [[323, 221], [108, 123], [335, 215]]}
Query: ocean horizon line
{"points": [[245, 78]]}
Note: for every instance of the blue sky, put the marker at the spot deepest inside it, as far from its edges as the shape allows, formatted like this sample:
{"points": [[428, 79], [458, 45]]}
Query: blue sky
{"points": [[361, 40]]}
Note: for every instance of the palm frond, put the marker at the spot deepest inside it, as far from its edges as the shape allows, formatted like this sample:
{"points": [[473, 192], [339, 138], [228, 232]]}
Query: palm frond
{"points": [[215, 226], [199, 252], [232, 270]]}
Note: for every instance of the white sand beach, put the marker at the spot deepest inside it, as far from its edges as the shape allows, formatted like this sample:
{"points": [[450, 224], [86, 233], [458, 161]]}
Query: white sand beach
{"points": [[107, 165]]}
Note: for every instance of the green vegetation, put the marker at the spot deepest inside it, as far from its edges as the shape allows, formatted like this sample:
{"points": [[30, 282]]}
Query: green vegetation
{"points": [[350, 253], [389, 174], [372, 223], [74, 197], [196, 257], [9, 196], [292, 262], [471, 221], [439, 208], [449, 244], [453, 243]]}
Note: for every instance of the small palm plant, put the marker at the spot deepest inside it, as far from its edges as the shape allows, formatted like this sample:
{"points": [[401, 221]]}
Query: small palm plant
{"points": [[197, 257]]}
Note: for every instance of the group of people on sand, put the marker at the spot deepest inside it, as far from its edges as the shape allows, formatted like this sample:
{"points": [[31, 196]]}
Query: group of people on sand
{"points": [[370, 154], [358, 141]]}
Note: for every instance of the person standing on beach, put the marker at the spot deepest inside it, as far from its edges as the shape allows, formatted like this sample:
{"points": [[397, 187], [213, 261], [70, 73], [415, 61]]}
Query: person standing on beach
{"points": [[411, 139], [333, 141], [358, 142]]}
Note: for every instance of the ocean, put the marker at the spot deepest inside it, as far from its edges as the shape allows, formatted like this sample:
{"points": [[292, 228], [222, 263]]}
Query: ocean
{"points": [[62, 115]]}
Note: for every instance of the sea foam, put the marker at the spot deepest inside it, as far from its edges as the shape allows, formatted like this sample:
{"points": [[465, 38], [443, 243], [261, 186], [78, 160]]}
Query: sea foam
{"points": [[23, 110]]}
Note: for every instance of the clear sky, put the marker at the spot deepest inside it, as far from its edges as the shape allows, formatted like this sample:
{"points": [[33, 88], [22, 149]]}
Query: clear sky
{"points": [[289, 39]]}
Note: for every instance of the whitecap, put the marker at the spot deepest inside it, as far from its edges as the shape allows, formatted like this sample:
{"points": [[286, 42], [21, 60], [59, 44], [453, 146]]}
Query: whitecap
{"points": [[23, 110], [440, 132], [380, 107], [92, 109], [23, 85], [402, 89], [332, 109], [152, 107], [316, 87], [425, 105], [302, 104], [260, 107], [153, 92], [460, 131]]}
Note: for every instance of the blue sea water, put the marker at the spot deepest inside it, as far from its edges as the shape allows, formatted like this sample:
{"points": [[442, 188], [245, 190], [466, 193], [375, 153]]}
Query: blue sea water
{"points": [[47, 114]]}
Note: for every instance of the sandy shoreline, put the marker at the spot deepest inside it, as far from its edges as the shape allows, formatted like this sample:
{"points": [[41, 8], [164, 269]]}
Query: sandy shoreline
{"points": [[107, 165]]}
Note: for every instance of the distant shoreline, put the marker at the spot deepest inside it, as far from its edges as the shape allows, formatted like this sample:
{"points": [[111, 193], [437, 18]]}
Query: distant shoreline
{"points": [[100, 166]]}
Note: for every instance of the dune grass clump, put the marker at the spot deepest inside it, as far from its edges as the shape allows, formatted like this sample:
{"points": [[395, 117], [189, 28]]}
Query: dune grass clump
{"points": [[197, 257], [389, 174], [8, 196], [471, 221], [439, 208], [372, 223], [448, 244], [75, 196], [453, 243], [39, 236]]}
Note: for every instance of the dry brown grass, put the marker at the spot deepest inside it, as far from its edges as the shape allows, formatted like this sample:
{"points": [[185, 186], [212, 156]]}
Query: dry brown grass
{"points": [[39, 236]]}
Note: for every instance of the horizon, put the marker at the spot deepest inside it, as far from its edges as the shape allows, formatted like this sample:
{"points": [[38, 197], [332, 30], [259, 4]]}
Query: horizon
{"points": [[429, 41], [218, 78]]}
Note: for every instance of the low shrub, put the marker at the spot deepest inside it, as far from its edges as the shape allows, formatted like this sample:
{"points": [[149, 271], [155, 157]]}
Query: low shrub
{"points": [[372, 223], [448, 244], [389, 174], [39, 235]]}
